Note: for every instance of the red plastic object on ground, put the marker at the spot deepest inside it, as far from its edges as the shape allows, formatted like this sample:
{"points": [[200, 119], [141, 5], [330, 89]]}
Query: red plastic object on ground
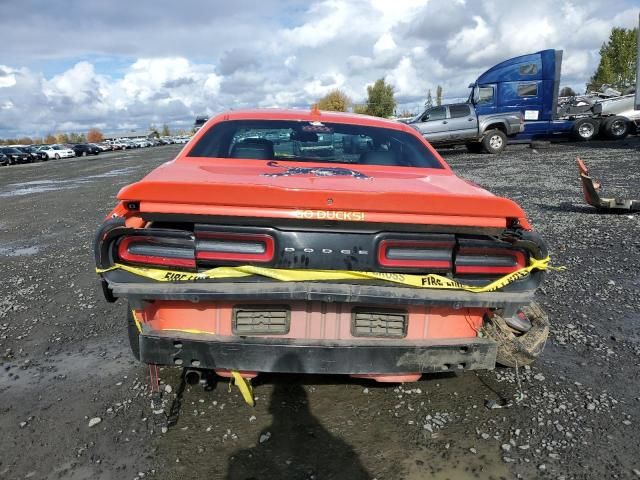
{"points": [[591, 189]]}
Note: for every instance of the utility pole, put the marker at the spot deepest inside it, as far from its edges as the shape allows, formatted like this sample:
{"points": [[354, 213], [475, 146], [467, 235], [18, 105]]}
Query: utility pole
{"points": [[637, 107]]}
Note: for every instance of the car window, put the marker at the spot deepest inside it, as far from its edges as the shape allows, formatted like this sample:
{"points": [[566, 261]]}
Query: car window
{"points": [[458, 111], [318, 142], [528, 69], [485, 95], [435, 113], [527, 89]]}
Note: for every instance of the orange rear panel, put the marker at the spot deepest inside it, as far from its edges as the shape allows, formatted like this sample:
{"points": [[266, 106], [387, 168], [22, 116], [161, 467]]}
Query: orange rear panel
{"points": [[310, 320]]}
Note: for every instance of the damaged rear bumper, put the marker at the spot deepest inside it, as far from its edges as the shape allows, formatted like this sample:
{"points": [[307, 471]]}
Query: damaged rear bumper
{"points": [[321, 357], [138, 293]]}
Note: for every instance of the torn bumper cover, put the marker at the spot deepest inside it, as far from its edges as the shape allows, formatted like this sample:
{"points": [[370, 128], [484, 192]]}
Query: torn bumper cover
{"points": [[324, 357], [378, 294]]}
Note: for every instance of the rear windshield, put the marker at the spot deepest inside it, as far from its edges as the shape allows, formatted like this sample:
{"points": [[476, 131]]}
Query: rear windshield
{"points": [[303, 141], [11, 150]]}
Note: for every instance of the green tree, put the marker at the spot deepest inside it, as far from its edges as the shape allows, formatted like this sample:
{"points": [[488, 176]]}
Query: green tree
{"points": [[438, 95], [165, 130], [567, 92], [76, 138], [380, 101], [336, 101], [360, 108], [62, 138], [618, 58], [428, 103]]}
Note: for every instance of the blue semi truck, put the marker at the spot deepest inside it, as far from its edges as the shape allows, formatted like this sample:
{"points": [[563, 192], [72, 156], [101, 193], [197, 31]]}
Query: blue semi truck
{"points": [[530, 84]]}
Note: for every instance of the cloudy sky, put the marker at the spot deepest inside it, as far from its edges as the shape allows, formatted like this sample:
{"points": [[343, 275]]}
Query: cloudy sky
{"points": [[118, 65]]}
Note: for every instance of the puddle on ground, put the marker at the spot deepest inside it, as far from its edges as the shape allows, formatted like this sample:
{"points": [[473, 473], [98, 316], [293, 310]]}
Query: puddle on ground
{"points": [[19, 252], [112, 173], [458, 464], [27, 188], [108, 359], [41, 186]]}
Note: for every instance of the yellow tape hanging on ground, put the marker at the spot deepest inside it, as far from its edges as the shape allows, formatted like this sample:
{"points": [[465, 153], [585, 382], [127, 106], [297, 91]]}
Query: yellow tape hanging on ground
{"points": [[244, 386], [432, 281]]}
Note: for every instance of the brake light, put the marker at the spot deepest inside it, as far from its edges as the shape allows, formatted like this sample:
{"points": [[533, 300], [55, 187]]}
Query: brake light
{"points": [[156, 251], [471, 261], [435, 255], [235, 247]]}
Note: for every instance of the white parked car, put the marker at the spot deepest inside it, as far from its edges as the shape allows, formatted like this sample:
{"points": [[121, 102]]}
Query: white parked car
{"points": [[58, 151], [103, 147], [142, 143]]}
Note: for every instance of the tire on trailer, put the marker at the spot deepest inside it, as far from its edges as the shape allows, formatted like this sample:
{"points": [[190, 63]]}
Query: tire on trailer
{"points": [[584, 129], [494, 141], [516, 349], [616, 128], [474, 147], [133, 334]]}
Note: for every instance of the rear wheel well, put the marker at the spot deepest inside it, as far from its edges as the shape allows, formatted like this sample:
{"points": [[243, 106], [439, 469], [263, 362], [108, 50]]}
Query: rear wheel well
{"points": [[496, 126]]}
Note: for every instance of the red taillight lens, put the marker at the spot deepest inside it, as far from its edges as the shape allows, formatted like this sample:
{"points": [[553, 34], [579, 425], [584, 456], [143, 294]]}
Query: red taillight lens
{"points": [[480, 261], [434, 255], [156, 251], [235, 247]]}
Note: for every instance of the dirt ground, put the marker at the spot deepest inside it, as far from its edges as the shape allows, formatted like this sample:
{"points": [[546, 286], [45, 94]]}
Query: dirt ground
{"points": [[65, 360]]}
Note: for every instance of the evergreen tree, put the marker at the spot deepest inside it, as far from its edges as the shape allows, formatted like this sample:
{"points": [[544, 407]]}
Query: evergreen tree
{"points": [[618, 59], [380, 101], [429, 101]]}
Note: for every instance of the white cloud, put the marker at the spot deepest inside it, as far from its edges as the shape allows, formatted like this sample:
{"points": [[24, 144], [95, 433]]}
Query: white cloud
{"points": [[384, 44], [285, 53], [7, 78], [326, 20]]}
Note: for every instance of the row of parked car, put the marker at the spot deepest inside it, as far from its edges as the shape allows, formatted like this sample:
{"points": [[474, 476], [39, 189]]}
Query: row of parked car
{"points": [[17, 154]]}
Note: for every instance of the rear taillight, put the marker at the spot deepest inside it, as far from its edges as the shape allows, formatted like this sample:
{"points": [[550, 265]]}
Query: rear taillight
{"points": [[489, 261], [156, 251], [234, 247], [425, 254]]}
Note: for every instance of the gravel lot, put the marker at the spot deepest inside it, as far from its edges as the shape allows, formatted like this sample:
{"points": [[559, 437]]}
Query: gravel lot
{"points": [[75, 405]]}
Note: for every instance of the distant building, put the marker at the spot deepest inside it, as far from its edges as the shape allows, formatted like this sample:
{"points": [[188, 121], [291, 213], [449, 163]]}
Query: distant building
{"points": [[131, 134], [200, 121]]}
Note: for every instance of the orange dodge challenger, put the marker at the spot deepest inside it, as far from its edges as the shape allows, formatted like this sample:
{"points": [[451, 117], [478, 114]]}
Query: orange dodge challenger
{"points": [[317, 242]]}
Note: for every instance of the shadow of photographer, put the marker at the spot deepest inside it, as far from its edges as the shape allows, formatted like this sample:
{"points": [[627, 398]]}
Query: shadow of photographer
{"points": [[295, 445]]}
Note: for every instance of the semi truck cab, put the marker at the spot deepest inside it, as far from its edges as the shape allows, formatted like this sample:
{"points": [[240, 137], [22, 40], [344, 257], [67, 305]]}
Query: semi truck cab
{"points": [[530, 84]]}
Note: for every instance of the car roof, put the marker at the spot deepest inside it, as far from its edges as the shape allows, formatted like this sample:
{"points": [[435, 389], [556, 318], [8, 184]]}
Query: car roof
{"points": [[309, 115]]}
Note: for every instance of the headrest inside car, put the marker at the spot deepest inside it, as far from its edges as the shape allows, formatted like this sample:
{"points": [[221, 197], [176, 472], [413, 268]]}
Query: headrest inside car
{"points": [[381, 157], [258, 148]]}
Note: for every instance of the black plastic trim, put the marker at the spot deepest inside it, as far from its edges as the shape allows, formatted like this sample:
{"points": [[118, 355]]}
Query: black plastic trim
{"points": [[320, 357]]}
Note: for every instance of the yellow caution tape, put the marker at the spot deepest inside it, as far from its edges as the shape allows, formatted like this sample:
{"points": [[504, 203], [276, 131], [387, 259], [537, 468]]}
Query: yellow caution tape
{"points": [[188, 330], [431, 280], [244, 386], [137, 322]]}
